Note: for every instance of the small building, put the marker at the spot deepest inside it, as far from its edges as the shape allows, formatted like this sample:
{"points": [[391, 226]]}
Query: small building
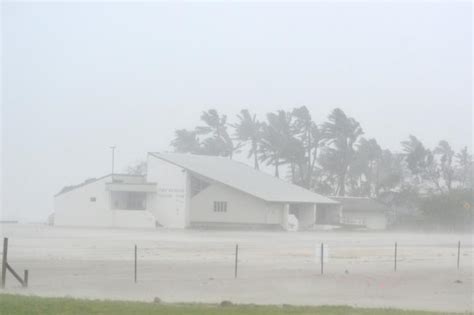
{"points": [[363, 212], [185, 190], [114, 200]]}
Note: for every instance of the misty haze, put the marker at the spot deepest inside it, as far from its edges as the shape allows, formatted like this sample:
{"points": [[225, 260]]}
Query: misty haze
{"points": [[240, 158]]}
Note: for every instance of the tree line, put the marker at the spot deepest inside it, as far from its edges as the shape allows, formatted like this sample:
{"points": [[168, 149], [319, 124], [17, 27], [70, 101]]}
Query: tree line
{"points": [[335, 158], [332, 157]]}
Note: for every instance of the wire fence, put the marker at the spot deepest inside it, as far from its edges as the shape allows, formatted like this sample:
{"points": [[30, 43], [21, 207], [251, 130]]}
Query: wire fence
{"points": [[226, 259]]}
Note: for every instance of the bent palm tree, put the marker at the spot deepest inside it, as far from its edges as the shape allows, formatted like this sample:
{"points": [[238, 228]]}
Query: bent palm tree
{"points": [[249, 130], [276, 137], [308, 134], [218, 141], [446, 154], [341, 133], [186, 141]]}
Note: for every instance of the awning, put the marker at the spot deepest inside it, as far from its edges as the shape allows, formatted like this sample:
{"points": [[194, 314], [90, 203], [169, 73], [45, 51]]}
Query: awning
{"points": [[143, 187]]}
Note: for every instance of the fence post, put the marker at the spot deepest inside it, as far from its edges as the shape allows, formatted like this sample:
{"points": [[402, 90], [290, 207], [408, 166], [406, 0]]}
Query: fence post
{"points": [[395, 258], [236, 260], [135, 263], [25, 279], [4, 261], [322, 258], [459, 252]]}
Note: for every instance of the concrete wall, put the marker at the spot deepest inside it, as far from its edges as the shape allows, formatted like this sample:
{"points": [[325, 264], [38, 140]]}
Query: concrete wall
{"points": [[376, 221], [170, 204], [241, 207], [307, 216], [328, 214], [372, 220], [75, 208]]}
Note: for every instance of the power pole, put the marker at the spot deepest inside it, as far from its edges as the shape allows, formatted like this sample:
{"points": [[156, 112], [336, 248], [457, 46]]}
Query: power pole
{"points": [[113, 157]]}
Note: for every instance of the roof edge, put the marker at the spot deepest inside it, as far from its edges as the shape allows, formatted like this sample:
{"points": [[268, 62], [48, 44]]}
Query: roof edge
{"points": [[85, 183], [331, 201]]}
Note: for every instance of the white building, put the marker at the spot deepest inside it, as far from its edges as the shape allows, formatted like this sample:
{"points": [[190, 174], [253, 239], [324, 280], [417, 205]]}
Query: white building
{"points": [[184, 190], [363, 212], [110, 201]]}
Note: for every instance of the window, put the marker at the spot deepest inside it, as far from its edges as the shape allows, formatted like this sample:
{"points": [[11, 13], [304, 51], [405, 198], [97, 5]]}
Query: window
{"points": [[92, 199], [128, 200], [220, 206]]}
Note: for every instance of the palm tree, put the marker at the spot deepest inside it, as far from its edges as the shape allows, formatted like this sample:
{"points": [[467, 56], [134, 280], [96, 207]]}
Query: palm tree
{"points": [[340, 133], [421, 162], [275, 139], [390, 171], [186, 141], [249, 130], [446, 155], [309, 135], [416, 154], [294, 154], [218, 141], [365, 167]]}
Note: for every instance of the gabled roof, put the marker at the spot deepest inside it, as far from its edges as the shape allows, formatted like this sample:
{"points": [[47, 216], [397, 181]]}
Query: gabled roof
{"points": [[67, 189], [242, 177], [365, 204]]}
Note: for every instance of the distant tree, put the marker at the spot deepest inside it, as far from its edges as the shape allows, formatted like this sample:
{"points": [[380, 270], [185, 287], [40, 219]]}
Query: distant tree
{"points": [[433, 172], [453, 210], [294, 155], [276, 139], [446, 156], [464, 168], [374, 170], [324, 181], [416, 155], [248, 130], [340, 133], [422, 163], [364, 169], [218, 141], [186, 141], [327, 176], [307, 132], [390, 172], [138, 168], [216, 146]]}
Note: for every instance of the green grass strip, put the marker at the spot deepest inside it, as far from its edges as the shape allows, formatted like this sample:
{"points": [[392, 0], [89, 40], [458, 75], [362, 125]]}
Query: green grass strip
{"points": [[32, 305]]}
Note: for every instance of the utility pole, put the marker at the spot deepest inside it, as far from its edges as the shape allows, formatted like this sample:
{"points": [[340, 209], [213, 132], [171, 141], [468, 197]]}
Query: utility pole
{"points": [[113, 157]]}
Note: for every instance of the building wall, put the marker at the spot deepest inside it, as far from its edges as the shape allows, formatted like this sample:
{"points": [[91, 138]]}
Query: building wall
{"points": [[328, 214], [372, 220], [376, 221], [75, 208], [170, 204], [307, 216], [241, 208]]}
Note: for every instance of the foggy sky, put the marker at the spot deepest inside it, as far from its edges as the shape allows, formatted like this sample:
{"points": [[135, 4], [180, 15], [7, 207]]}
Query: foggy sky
{"points": [[78, 78]]}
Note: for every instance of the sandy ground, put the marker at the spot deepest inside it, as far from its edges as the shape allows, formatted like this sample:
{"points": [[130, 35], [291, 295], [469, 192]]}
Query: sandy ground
{"points": [[274, 267]]}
